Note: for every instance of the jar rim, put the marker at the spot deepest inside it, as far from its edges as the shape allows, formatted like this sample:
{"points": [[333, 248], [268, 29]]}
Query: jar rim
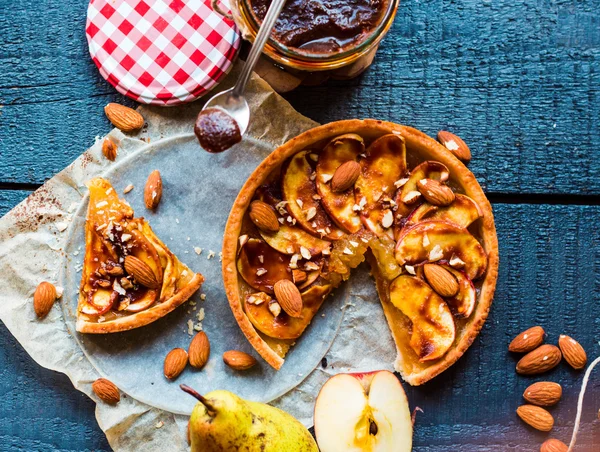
{"points": [[292, 57]]}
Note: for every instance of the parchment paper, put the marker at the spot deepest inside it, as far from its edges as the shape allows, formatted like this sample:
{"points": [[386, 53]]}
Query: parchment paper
{"points": [[40, 239]]}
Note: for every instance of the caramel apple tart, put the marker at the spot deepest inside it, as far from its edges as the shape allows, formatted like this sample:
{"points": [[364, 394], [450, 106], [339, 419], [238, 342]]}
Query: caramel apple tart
{"points": [[358, 190], [129, 278]]}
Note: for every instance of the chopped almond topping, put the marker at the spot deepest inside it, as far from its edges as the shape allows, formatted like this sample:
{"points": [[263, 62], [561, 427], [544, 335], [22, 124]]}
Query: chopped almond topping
{"points": [[456, 262], [436, 253], [310, 213], [261, 271], [401, 182], [326, 178], [410, 269], [348, 251], [411, 196], [388, 219], [426, 240], [274, 308], [299, 202], [305, 253]]}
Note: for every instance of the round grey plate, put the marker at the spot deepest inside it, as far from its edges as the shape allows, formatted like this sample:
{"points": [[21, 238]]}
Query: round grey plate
{"points": [[199, 189]]}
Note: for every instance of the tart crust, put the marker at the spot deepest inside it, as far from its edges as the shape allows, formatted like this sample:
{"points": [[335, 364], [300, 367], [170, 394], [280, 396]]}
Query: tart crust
{"points": [[412, 371]]}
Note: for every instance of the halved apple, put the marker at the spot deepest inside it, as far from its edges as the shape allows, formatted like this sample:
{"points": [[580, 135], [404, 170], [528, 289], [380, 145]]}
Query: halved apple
{"points": [[426, 170], [262, 266], [463, 303], [363, 412], [339, 205], [435, 240], [384, 164], [299, 190], [283, 326], [462, 212], [289, 239], [433, 329]]}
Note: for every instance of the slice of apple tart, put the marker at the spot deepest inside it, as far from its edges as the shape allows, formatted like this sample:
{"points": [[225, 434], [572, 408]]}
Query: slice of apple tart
{"points": [[129, 278], [359, 190]]}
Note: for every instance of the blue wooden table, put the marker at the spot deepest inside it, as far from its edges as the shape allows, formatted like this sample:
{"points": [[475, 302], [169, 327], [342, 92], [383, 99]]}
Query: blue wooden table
{"points": [[519, 80]]}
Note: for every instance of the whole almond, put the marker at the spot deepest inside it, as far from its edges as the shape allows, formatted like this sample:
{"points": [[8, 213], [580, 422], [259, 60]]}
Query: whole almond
{"points": [[106, 391], [141, 272], [263, 216], [124, 118], [543, 393], [199, 350], [441, 280], [299, 276], [536, 417], [289, 297], [153, 190], [572, 351], [435, 192], [238, 360], [554, 445], [528, 340], [175, 362], [455, 145], [109, 149], [540, 360], [345, 176], [43, 299]]}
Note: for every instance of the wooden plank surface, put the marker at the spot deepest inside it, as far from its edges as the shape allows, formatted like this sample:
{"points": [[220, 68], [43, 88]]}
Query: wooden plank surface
{"points": [[518, 80], [549, 276]]}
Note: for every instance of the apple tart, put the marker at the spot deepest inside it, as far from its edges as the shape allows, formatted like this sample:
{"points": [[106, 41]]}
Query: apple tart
{"points": [[129, 278], [354, 191]]}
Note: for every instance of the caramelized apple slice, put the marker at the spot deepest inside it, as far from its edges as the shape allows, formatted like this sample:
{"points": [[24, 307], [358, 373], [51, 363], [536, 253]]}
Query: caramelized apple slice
{"points": [[283, 326], [463, 303], [462, 212], [433, 329], [434, 240], [312, 275], [299, 190], [101, 300], [339, 205], [290, 239], [408, 196], [144, 302], [261, 266], [385, 164]]}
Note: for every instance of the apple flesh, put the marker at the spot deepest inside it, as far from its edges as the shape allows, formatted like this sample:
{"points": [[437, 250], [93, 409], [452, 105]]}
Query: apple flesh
{"points": [[385, 164], [418, 244], [363, 412], [339, 205], [300, 192], [433, 329]]}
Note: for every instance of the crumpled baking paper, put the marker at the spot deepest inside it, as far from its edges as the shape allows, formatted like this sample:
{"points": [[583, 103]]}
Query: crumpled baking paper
{"points": [[34, 238]]}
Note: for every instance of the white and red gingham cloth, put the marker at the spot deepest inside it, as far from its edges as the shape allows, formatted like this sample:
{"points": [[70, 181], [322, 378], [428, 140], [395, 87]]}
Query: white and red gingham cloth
{"points": [[161, 52]]}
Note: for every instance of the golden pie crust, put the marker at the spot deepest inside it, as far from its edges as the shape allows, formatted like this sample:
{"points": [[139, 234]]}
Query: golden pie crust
{"points": [[176, 282], [417, 143]]}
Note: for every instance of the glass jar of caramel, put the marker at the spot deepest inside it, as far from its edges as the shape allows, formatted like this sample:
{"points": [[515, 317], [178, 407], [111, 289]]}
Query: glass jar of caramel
{"points": [[334, 38]]}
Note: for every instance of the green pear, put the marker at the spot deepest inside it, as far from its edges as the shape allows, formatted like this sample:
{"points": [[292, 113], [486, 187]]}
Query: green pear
{"points": [[221, 421]]}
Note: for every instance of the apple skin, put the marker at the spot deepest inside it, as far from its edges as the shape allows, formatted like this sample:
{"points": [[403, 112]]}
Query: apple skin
{"points": [[366, 411]]}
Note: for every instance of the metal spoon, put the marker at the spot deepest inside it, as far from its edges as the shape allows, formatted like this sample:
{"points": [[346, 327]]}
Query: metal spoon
{"points": [[233, 100]]}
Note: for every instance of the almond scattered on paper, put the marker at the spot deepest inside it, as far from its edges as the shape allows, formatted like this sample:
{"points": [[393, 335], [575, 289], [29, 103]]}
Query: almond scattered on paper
{"points": [[175, 362], [106, 391], [199, 350], [238, 360], [554, 445], [153, 190], [109, 149], [123, 118], [43, 299]]}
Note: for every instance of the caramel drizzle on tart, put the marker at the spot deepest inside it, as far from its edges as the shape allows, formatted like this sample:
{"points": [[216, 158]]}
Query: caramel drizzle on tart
{"points": [[325, 232]]}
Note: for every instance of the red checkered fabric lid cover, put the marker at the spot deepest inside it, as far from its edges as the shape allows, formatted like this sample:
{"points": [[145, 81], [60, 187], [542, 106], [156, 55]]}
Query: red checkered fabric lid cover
{"points": [[162, 52]]}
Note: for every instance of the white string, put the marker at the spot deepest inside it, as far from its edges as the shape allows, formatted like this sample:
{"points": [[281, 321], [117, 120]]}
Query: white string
{"points": [[584, 383]]}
